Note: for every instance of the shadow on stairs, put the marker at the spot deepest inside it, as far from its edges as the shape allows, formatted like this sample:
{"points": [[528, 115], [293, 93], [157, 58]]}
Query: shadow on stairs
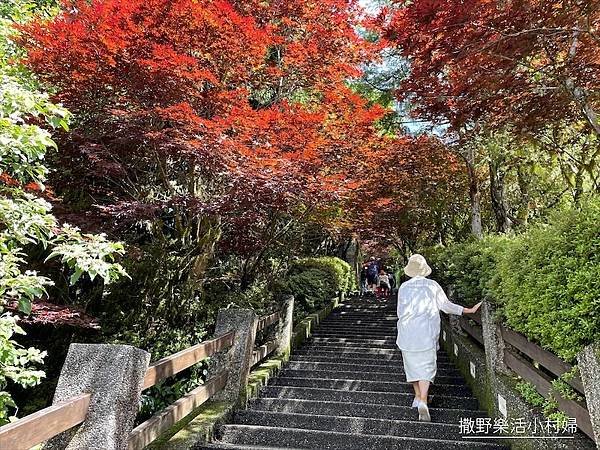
{"points": [[344, 389]]}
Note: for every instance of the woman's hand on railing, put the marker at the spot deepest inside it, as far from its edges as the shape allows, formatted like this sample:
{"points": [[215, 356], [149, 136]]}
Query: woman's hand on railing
{"points": [[473, 309]]}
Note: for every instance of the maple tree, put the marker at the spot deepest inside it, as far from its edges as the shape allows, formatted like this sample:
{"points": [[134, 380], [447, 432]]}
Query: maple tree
{"points": [[484, 66], [525, 62], [212, 122], [410, 196]]}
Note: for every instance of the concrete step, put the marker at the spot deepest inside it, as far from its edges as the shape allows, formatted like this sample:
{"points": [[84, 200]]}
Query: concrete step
{"points": [[342, 424], [223, 446], [376, 317], [459, 390], [370, 323], [355, 337], [368, 313], [368, 343], [316, 439], [360, 331], [357, 355], [445, 364], [374, 397], [366, 376], [343, 367], [359, 328], [372, 410], [376, 325], [353, 334], [353, 348]]}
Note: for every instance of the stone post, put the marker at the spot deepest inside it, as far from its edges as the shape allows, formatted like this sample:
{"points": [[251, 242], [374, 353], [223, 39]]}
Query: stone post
{"points": [[283, 336], [113, 375], [238, 358], [589, 368], [492, 341]]}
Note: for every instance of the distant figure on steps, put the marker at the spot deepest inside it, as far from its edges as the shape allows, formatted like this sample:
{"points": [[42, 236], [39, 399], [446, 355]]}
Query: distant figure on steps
{"points": [[372, 273], [420, 301], [383, 290]]}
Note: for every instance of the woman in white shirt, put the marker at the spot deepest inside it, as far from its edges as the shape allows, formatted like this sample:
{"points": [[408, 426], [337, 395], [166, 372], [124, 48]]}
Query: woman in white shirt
{"points": [[419, 302]]}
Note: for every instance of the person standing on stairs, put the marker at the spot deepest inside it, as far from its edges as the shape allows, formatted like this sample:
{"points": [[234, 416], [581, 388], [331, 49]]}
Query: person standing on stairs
{"points": [[420, 301], [372, 273], [384, 285]]}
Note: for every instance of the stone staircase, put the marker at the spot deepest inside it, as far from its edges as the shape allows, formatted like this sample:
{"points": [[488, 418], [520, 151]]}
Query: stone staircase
{"points": [[345, 389]]}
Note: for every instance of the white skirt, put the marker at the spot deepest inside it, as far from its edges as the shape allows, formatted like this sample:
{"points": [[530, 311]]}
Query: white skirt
{"points": [[420, 365]]}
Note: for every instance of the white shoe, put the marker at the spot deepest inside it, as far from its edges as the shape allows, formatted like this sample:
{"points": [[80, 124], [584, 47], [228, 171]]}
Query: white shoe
{"points": [[423, 412], [415, 402]]}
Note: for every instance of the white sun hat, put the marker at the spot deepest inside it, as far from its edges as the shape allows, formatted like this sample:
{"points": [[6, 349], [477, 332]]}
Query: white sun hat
{"points": [[417, 266]]}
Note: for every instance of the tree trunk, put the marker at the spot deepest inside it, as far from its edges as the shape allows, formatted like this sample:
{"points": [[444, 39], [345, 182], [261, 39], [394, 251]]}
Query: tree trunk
{"points": [[579, 94], [523, 180], [498, 198], [474, 195]]}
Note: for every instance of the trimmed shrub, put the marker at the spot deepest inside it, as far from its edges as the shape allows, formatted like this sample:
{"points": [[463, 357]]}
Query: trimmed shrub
{"points": [[315, 281], [545, 282], [549, 281], [339, 270]]}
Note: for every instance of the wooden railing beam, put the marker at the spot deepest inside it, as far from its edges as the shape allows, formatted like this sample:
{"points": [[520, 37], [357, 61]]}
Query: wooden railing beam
{"points": [[171, 365], [543, 385], [545, 358], [265, 321], [147, 432], [44, 424]]}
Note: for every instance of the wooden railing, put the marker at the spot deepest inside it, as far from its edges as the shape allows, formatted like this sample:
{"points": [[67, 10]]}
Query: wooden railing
{"points": [[265, 321], [522, 356], [49, 422], [475, 331], [44, 424], [516, 356], [260, 353], [148, 431], [171, 365]]}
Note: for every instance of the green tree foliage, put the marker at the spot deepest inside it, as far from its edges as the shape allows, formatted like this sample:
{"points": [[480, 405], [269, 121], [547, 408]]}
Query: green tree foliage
{"points": [[27, 117], [545, 281]]}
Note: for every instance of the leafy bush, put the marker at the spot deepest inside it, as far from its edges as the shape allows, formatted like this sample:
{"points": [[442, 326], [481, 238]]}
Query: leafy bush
{"points": [[545, 282], [315, 281], [530, 394], [467, 267], [549, 281], [338, 269]]}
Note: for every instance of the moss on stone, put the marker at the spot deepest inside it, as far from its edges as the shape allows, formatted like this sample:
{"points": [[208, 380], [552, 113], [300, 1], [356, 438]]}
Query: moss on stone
{"points": [[198, 426], [482, 386], [305, 328]]}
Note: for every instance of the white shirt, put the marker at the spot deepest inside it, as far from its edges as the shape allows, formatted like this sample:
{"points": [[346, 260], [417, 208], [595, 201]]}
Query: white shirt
{"points": [[419, 303]]}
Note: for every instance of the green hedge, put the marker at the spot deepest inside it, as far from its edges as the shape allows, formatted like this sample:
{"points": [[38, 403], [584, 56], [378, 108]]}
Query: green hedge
{"points": [[545, 282], [315, 281]]}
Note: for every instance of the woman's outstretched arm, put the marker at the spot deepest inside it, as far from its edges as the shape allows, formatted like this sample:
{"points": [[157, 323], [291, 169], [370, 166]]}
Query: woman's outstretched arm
{"points": [[444, 304]]}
